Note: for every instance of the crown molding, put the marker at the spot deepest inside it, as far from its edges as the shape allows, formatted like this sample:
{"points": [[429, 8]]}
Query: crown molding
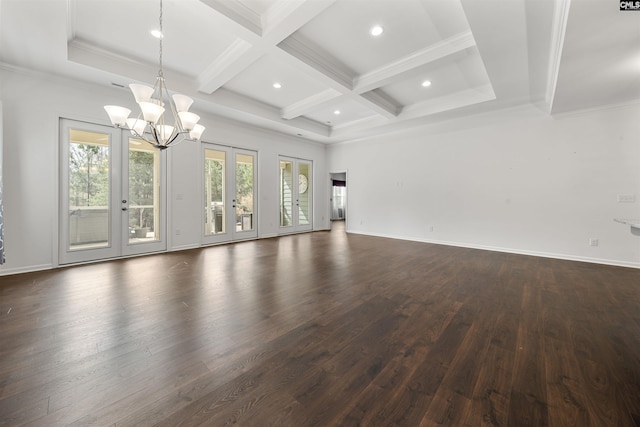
{"points": [[336, 75], [559, 29], [308, 104], [237, 12], [236, 57]]}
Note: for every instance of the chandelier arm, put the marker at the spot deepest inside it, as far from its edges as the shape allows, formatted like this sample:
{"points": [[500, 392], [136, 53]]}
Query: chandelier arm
{"points": [[156, 137], [164, 90], [173, 139], [136, 134]]}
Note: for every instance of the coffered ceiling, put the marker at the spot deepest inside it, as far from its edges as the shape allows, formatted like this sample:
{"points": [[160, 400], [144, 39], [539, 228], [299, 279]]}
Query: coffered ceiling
{"points": [[337, 81]]}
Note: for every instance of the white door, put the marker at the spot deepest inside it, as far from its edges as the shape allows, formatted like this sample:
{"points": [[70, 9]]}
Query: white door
{"points": [[229, 190], [110, 194], [143, 202], [296, 195]]}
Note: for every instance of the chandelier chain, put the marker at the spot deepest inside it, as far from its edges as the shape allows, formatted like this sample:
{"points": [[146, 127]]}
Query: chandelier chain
{"points": [[160, 38]]}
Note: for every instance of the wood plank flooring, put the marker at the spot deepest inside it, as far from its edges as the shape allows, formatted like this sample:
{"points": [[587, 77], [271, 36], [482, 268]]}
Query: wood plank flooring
{"points": [[322, 329]]}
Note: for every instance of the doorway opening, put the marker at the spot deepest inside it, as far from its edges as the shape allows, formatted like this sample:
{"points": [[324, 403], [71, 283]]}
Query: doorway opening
{"points": [[338, 201]]}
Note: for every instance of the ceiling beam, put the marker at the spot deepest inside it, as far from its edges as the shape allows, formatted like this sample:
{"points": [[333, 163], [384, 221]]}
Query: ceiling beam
{"points": [[394, 70], [276, 24], [309, 104], [266, 113], [238, 13], [375, 101], [560, 18], [238, 56], [449, 102]]}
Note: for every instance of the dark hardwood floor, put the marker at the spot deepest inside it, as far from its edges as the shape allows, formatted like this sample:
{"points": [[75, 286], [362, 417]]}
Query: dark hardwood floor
{"points": [[322, 329]]}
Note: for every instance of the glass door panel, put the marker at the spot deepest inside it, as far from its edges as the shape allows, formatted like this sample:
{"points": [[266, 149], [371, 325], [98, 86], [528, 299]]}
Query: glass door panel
{"points": [[214, 192], [144, 192], [229, 194], [89, 189], [286, 193], [304, 193], [88, 213], [141, 198], [245, 167]]}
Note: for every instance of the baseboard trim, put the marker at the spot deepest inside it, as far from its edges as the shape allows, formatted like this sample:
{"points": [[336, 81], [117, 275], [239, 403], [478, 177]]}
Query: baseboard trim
{"points": [[552, 255], [29, 269], [184, 248]]}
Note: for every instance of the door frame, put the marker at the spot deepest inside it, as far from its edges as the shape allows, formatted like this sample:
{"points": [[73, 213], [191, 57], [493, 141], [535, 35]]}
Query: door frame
{"points": [[346, 190], [118, 245], [231, 234], [296, 227]]}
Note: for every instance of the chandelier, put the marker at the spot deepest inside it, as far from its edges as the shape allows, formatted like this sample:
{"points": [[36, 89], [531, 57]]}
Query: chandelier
{"points": [[150, 125]]}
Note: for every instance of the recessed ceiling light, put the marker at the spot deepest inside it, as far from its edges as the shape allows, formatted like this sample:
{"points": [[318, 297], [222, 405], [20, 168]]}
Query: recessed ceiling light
{"points": [[277, 85], [336, 112], [157, 34], [376, 30], [426, 83]]}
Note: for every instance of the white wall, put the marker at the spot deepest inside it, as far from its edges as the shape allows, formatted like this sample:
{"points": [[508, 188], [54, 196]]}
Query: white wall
{"points": [[34, 103], [518, 181]]}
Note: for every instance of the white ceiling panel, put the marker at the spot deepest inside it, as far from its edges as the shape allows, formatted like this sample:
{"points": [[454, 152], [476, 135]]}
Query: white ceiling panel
{"points": [[257, 81], [600, 63], [349, 111], [343, 30], [453, 74], [189, 45]]}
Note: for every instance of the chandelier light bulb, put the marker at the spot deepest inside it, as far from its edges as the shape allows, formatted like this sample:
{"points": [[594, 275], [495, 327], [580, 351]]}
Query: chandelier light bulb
{"points": [[118, 115], [188, 120], [183, 103], [196, 133], [151, 111], [142, 93]]}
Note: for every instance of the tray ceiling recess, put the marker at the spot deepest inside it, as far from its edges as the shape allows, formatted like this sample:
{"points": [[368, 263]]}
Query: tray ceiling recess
{"points": [[309, 68]]}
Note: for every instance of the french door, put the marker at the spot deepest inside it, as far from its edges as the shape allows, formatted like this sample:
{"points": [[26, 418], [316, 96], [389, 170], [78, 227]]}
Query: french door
{"points": [[111, 188], [229, 190], [296, 195]]}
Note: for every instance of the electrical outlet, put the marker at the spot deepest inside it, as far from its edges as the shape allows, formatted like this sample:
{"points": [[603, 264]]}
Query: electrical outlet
{"points": [[593, 242], [178, 231], [626, 198]]}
